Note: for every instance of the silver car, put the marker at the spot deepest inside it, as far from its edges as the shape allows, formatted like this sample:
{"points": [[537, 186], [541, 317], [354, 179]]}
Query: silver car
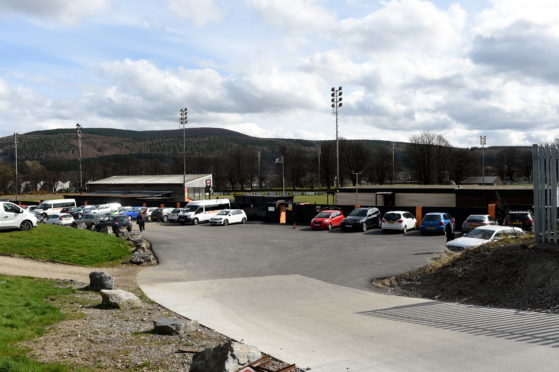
{"points": [[481, 235]]}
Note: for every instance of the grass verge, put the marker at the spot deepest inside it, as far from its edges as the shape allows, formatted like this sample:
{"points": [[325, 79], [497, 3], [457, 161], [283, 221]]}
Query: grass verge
{"points": [[24, 314], [65, 245]]}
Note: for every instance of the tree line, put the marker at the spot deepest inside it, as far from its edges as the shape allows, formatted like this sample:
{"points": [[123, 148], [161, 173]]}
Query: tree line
{"points": [[428, 158]]}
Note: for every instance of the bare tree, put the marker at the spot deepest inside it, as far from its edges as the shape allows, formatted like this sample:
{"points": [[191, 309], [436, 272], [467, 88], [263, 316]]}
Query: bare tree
{"points": [[354, 156], [379, 168], [328, 163], [426, 155], [462, 163]]}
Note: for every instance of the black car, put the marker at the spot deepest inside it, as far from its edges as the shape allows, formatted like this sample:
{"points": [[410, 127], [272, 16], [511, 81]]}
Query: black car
{"points": [[116, 222], [361, 219], [522, 219]]}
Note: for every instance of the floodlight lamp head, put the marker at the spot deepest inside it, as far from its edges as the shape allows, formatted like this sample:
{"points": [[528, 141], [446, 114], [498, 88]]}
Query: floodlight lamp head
{"points": [[339, 88], [333, 89]]}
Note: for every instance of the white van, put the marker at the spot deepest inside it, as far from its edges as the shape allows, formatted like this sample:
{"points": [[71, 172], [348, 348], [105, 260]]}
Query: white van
{"points": [[202, 210], [50, 207], [15, 217]]}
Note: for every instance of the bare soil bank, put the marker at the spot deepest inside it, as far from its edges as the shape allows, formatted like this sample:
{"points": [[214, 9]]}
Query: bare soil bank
{"points": [[518, 274]]}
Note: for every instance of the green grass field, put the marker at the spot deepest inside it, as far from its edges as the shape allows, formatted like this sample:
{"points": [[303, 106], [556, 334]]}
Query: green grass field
{"points": [[65, 245], [24, 313]]}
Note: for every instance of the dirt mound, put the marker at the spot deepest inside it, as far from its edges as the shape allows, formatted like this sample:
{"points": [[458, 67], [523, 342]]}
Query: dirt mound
{"points": [[518, 275]]}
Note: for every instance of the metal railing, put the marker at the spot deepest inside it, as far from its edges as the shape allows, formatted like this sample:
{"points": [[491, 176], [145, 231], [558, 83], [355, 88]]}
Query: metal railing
{"points": [[545, 174]]}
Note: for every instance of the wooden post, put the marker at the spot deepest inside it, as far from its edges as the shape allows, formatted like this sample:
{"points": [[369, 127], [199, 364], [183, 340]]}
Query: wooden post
{"points": [[161, 205], [492, 210], [418, 215]]}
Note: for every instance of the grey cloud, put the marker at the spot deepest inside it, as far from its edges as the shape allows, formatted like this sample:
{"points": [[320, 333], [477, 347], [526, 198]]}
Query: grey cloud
{"points": [[522, 49]]}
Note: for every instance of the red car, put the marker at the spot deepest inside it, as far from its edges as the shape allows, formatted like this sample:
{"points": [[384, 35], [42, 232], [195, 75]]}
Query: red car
{"points": [[327, 219]]}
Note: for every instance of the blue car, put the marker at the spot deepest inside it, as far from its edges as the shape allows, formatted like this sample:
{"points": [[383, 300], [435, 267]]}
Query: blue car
{"points": [[131, 212], [436, 223]]}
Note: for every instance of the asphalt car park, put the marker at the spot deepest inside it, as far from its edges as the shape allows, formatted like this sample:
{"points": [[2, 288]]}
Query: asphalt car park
{"points": [[255, 249]]}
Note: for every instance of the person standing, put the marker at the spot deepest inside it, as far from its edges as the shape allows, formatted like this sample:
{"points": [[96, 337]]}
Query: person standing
{"points": [[141, 221]]}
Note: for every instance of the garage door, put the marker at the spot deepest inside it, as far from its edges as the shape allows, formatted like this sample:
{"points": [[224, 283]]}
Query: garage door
{"points": [[426, 200]]}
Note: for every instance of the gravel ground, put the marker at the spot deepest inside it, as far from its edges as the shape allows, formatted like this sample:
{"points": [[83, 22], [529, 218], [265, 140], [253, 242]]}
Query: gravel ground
{"points": [[113, 339]]}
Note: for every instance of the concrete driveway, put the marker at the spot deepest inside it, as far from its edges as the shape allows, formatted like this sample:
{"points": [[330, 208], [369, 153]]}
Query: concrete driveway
{"points": [[303, 296]]}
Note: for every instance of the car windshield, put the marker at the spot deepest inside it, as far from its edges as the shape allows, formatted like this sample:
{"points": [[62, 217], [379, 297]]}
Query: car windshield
{"points": [[176, 211], [476, 219], [432, 217], [392, 216], [191, 208], [480, 234], [358, 213], [519, 216], [53, 217], [223, 213], [125, 209], [323, 215]]}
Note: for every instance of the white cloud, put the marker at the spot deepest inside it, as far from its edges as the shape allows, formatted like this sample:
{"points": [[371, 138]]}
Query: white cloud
{"points": [[409, 26], [69, 12], [199, 12]]}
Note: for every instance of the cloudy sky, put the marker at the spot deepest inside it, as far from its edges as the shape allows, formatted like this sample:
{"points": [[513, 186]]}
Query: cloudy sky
{"points": [[265, 67]]}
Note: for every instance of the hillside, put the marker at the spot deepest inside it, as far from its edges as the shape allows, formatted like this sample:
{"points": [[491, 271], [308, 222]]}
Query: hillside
{"points": [[62, 144]]}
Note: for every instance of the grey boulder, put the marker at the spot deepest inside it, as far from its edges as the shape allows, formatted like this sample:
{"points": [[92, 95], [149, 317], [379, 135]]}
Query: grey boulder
{"points": [[229, 356], [99, 280], [119, 299], [173, 327]]}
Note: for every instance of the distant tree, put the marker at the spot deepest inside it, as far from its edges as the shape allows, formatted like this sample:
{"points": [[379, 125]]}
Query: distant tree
{"points": [[353, 158], [426, 156], [462, 163], [506, 162], [328, 163], [379, 168]]}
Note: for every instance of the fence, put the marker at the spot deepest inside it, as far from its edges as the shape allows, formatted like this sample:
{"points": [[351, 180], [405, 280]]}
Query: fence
{"points": [[545, 175]]}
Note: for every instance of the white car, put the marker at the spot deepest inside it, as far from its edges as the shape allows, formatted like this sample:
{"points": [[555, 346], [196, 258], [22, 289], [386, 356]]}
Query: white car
{"points": [[228, 216], [60, 220], [481, 235], [398, 221], [174, 215], [15, 217]]}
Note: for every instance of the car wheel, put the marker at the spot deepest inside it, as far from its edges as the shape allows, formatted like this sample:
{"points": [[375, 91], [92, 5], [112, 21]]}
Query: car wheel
{"points": [[405, 229], [244, 220], [165, 218], [364, 227], [92, 227], [74, 225], [25, 226], [195, 221], [330, 227], [45, 216], [225, 222], [384, 231]]}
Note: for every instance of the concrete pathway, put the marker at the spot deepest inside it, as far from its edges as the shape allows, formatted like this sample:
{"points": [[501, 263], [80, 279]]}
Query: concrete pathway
{"points": [[328, 327], [125, 276]]}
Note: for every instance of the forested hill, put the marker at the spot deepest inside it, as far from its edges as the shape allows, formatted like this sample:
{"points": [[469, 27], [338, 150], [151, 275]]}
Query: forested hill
{"points": [[59, 144]]}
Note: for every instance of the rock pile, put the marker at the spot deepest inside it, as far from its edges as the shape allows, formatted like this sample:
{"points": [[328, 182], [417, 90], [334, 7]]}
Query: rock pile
{"points": [[99, 280], [228, 356], [143, 254]]}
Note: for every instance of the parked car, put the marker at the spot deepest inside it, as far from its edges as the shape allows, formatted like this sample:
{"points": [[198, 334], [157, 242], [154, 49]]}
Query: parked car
{"points": [[60, 219], [161, 214], [327, 220], [361, 219], [229, 216], [476, 220], [148, 212], [89, 209], [481, 235], [76, 212], [107, 208], [90, 220], [200, 211], [436, 222], [174, 215], [522, 219], [116, 222], [15, 217], [399, 221], [50, 207], [130, 212]]}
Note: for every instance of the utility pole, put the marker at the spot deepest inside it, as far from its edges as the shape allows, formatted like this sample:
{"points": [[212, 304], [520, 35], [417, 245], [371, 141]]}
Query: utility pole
{"points": [[259, 156], [15, 150], [336, 103], [283, 176], [356, 184], [183, 120], [393, 157], [319, 152], [483, 142], [79, 132]]}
